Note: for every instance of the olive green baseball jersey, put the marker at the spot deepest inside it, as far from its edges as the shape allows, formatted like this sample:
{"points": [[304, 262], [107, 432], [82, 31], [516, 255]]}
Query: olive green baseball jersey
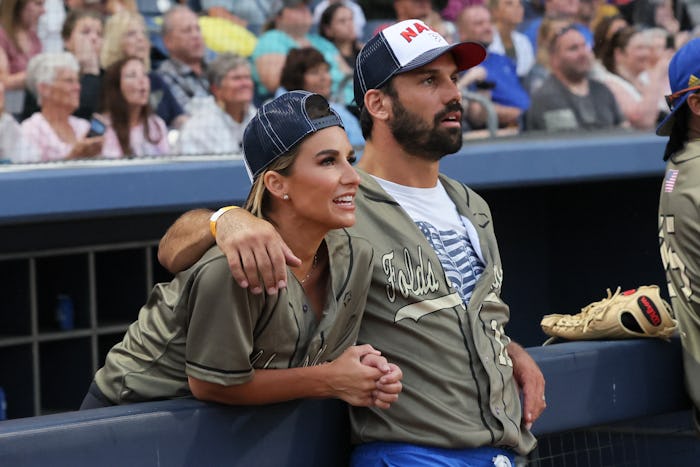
{"points": [[459, 390], [204, 325], [679, 241]]}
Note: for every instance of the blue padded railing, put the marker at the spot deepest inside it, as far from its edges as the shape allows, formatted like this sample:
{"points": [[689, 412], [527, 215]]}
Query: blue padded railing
{"points": [[588, 384]]}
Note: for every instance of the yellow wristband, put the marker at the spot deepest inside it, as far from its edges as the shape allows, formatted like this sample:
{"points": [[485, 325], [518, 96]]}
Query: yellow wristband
{"points": [[215, 217]]}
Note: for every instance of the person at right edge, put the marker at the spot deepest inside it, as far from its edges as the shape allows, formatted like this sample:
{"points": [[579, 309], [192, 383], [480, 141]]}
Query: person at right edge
{"points": [[679, 208], [434, 305]]}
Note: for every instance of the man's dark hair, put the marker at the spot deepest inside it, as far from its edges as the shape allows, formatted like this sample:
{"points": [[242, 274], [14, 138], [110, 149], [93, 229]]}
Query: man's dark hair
{"points": [[365, 118]]}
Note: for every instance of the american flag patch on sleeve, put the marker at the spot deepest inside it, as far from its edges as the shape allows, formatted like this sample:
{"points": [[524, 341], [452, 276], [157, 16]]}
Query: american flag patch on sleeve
{"points": [[670, 180]]}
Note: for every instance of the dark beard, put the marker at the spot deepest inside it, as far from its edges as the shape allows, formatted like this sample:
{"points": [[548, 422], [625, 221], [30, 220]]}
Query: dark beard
{"points": [[418, 138]]}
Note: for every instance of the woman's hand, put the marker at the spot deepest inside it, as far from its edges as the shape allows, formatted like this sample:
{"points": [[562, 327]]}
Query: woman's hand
{"points": [[353, 381], [86, 148]]}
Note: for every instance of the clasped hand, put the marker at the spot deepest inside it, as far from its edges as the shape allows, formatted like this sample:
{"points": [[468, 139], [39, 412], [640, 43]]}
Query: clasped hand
{"points": [[364, 378]]}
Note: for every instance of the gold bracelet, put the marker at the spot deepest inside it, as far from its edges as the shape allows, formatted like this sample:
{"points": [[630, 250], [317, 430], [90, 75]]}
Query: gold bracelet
{"points": [[215, 217]]}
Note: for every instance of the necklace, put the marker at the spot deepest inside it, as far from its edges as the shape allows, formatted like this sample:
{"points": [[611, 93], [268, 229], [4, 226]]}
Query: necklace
{"points": [[313, 266]]}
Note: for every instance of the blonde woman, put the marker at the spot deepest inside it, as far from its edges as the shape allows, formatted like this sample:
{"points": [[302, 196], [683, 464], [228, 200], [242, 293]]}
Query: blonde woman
{"points": [[203, 335], [125, 36]]}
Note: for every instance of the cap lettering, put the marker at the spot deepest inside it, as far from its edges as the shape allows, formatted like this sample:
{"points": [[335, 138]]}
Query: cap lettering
{"points": [[420, 27], [409, 33]]}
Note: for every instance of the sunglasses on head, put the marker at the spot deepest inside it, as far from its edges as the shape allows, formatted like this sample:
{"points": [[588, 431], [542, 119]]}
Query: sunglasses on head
{"points": [[672, 98]]}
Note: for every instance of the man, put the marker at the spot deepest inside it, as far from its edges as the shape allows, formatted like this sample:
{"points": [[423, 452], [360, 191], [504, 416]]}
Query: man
{"points": [[557, 9], [509, 97], [434, 304], [217, 125], [568, 99], [184, 70], [679, 221]]}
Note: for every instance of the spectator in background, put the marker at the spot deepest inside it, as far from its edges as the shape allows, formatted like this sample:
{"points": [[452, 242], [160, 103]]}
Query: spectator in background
{"points": [[602, 36], [559, 9], [184, 71], [568, 100], [54, 133], [217, 125], [661, 47], [19, 42], [452, 8], [82, 36], [50, 25], [509, 97], [358, 15], [290, 28], [250, 14], [671, 15], [10, 132], [305, 69], [337, 25], [638, 89], [125, 36], [586, 13], [549, 27], [424, 10], [507, 15], [132, 127]]}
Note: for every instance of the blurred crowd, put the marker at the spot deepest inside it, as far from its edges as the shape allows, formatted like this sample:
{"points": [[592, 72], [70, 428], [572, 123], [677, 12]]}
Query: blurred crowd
{"points": [[143, 78]]}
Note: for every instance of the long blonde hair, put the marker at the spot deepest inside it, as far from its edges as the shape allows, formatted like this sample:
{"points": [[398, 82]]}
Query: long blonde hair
{"points": [[115, 30]]}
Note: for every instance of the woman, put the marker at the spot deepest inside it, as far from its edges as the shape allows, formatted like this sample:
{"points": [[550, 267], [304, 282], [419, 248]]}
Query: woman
{"points": [[132, 127], [638, 89], [306, 69], [217, 124], [507, 40], [204, 335], [603, 32], [548, 30], [337, 26], [125, 36], [19, 42], [290, 29], [54, 133]]}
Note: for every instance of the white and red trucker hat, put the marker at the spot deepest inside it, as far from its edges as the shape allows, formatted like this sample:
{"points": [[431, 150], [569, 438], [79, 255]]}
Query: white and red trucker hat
{"points": [[403, 47]]}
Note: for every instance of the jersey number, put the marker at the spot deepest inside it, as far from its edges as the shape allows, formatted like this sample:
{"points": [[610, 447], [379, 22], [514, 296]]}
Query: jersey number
{"points": [[499, 334]]}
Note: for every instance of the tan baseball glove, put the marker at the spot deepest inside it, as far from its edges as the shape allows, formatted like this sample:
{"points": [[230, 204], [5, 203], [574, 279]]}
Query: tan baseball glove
{"points": [[623, 315]]}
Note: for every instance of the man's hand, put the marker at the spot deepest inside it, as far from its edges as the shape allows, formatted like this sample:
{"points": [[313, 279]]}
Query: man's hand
{"points": [[389, 384], [255, 251], [530, 381]]}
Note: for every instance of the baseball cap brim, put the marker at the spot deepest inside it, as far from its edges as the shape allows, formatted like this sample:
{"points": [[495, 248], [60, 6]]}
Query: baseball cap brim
{"points": [[666, 125], [466, 55]]}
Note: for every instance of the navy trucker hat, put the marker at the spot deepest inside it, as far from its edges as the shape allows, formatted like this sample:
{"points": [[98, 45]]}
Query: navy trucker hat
{"points": [[280, 125], [403, 47], [684, 77]]}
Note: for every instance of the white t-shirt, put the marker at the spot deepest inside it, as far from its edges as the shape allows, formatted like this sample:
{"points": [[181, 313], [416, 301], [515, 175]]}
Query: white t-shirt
{"points": [[452, 236]]}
